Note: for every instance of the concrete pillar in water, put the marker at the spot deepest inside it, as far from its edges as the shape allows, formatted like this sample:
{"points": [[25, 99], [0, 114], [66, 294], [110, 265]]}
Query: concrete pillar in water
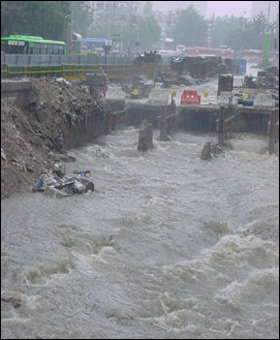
{"points": [[163, 128], [220, 127], [206, 152], [167, 121], [145, 141], [273, 132]]}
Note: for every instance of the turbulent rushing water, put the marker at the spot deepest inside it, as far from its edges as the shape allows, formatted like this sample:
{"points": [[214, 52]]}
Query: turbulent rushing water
{"points": [[168, 246]]}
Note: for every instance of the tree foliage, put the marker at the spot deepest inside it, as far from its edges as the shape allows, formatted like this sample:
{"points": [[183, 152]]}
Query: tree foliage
{"points": [[80, 16], [40, 18], [239, 32], [149, 33], [136, 33], [190, 29], [148, 9], [50, 20]]}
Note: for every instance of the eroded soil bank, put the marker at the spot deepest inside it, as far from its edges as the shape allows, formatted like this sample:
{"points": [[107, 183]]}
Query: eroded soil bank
{"points": [[35, 133]]}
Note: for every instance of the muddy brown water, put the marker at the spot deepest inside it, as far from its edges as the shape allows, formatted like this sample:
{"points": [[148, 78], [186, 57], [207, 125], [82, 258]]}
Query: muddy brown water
{"points": [[168, 246]]}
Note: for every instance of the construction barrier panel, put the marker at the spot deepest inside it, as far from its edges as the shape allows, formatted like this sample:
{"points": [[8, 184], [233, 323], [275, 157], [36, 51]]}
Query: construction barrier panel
{"points": [[190, 97]]}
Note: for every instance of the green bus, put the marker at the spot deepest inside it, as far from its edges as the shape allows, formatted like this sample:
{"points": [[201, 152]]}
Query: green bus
{"points": [[23, 44]]}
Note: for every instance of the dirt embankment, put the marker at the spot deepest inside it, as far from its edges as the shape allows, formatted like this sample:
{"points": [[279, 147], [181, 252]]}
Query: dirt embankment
{"points": [[34, 135]]}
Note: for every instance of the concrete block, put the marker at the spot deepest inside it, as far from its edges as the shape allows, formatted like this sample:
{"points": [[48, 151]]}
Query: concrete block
{"points": [[115, 93], [227, 98], [264, 100], [159, 97]]}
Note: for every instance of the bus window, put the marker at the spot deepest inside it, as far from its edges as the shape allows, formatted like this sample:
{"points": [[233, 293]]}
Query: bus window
{"points": [[36, 48], [14, 47], [49, 49], [60, 49]]}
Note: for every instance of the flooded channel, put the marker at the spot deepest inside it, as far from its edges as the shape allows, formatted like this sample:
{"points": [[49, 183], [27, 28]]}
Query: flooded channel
{"points": [[168, 246]]}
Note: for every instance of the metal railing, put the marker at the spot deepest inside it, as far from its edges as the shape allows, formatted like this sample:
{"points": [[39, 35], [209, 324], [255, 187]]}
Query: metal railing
{"points": [[56, 60]]}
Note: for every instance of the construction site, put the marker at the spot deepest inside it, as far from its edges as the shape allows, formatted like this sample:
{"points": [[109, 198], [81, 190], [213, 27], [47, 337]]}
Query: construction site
{"points": [[139, 170], [43, 117]]}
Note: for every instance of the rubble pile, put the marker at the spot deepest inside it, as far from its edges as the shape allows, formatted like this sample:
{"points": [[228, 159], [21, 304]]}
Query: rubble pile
{"points": [[140, 87], [147, 57], [56, 183], [202, 67], [268, 79], [34, 133], [210, 149]]}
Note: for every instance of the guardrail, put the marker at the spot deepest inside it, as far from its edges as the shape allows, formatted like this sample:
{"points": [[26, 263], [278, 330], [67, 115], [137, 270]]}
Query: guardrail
{"points": [[69, 72], [114, 72], [56, 60]]}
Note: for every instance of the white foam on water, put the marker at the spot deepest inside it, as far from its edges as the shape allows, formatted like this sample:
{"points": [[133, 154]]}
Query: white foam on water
{"points": [[167, 246]]}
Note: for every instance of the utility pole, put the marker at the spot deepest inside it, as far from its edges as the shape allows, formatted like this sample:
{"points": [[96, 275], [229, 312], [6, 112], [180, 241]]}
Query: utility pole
{"points": [[130, 24], [108, 3], [121, 47], [69, 36], [266, 45], [209, 33], [137, 33], [276, 39], [268, 11]]}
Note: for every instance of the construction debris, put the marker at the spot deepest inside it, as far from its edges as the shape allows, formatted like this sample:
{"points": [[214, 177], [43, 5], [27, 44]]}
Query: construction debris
{"points": [[3, 156], [167, 79], [140, 87], [268, 79], [210, 149], [55, 183], [35, 135], [147, 57], [202, 67]]}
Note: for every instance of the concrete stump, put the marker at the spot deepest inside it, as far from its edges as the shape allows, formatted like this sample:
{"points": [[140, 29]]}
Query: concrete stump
{"points": [[225, 83], [145, 141], [163, 131], [206, 152]]}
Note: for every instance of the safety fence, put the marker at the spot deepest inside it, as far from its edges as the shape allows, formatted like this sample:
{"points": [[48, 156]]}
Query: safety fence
{"points": [[57, 60], [69, 72], [78, 72]]}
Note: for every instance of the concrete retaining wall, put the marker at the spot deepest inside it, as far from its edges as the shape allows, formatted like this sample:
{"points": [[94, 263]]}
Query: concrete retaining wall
{"points": [[86, 130]]}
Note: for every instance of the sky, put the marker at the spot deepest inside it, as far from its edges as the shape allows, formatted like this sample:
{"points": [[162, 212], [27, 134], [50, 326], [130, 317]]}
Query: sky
{"points": [[221, 8]]}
